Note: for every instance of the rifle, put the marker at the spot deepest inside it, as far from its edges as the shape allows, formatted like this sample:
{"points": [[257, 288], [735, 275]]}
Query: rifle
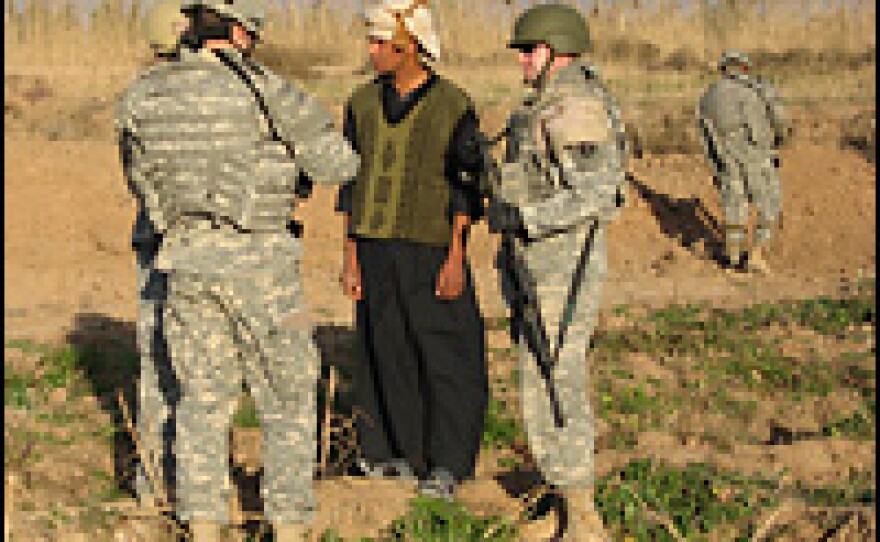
{"points": [[526, 308]]}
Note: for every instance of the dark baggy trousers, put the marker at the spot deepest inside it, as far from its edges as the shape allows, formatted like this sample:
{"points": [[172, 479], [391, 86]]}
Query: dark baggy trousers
{"points": [[422, 386]]}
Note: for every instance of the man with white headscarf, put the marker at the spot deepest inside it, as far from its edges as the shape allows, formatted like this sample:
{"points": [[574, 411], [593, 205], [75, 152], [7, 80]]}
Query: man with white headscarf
{"points": [[423, 386]]}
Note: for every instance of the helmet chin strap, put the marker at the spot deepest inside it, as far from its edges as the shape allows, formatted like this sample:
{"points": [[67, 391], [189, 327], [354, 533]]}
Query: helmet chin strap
{"points": [[541, 79]]}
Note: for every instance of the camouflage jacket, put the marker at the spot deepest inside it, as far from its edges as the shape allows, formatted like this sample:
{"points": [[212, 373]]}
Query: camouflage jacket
{"points": [[740, 118], [566, 155], [143, 232], [216, 168], [563, 171]]}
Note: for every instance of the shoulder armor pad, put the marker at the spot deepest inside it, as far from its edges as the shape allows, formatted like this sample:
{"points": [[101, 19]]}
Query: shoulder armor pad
{"points": [[578, 118]]}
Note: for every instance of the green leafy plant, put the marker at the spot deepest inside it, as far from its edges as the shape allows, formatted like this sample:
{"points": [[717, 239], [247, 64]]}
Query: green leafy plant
{"points": [[434, 520], [696, 499]]}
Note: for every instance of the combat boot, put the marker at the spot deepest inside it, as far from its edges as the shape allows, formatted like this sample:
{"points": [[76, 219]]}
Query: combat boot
{"points": [[292, 532], [206, 531], [755, 263], [734, 258], [584, 522], [541, 529]]}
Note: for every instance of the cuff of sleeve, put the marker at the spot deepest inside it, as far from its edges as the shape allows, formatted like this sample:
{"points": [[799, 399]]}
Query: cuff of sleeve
{"points": [[343, 200]]}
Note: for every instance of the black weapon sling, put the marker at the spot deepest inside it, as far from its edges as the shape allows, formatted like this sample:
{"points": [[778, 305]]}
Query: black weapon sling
{"points": [[303, 183]]}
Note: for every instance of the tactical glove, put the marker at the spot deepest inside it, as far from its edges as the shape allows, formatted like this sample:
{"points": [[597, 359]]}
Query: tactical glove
{"points": [[505, 218]]}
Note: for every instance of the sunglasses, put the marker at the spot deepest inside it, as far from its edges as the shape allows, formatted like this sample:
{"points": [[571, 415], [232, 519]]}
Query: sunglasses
{"points": [[526, 49]]}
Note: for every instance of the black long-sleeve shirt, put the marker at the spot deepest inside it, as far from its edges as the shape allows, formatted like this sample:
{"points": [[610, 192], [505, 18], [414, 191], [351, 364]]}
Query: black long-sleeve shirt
{"points": [[462, 156]]}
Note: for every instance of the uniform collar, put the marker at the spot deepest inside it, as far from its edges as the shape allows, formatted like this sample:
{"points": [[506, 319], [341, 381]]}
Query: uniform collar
{"points": [[397, 107], [574, 73]]}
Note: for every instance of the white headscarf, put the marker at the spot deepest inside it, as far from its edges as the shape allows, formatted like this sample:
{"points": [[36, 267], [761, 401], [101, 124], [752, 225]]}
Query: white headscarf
{"points": [[399, 20]]}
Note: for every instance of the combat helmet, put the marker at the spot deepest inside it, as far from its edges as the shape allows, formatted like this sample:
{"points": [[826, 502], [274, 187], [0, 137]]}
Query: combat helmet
{"points": [[561, 27], [248, 13], [164, 25]]}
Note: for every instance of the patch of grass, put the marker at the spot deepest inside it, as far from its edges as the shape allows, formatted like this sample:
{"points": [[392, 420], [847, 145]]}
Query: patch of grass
{"points": [[857, 425], [637, 407], [697, 328], [743, 410], [858, 490], [735, 351], [763, 368], [59, 368], [833, 316], [499, 323], [66, 367], [501, 428], [435, 520], [26, 346], [17, 389], [620, 310], [507, 463], [621, 438], [246, 415], [697, 499]]}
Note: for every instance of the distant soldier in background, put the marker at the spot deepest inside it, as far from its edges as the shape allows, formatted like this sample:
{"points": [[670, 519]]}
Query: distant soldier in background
{"points": [[560, 185], [164, 26], [742, 127], [210, 145]]}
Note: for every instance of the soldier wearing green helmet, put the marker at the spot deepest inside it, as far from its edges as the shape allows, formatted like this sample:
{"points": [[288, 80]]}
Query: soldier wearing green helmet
{"points": [[741, 125], [558, 188], [560, 27]]}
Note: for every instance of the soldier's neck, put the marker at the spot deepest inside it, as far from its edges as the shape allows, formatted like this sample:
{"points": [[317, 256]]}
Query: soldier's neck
{"points": [[218, 44], [409, 77], [559, 63]]}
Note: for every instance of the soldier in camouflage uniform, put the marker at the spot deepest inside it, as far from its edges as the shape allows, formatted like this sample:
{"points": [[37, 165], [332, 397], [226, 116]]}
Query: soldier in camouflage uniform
{"points": [[741, 125], [211, 147], [559, 186], [156, 386]]}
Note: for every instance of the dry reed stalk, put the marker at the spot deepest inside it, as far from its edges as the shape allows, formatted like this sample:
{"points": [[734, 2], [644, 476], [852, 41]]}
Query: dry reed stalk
{"points": [[786, 509], [158, 497], [325, 429], [11, 483], [469, 32], [654, 515]]}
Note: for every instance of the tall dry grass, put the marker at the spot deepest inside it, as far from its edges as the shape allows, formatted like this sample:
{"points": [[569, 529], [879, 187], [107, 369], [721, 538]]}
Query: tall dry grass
{"points": [[55, 32], [653, 48]]}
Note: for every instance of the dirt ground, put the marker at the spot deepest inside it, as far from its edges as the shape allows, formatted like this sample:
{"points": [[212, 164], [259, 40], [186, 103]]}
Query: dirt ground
{"points": [[69, 272], [68, 218]]}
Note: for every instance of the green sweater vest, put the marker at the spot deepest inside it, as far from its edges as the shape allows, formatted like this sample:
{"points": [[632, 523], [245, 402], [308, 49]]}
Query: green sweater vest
{"points": [[402, 191]]}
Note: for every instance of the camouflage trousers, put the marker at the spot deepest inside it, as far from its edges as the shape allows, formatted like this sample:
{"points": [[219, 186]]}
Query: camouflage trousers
{"points": [[751, 181], [564, 455], [223, 332], [157, 388]]}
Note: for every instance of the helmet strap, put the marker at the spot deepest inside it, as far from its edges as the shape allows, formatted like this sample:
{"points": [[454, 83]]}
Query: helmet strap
{"points": [[543, 75]]}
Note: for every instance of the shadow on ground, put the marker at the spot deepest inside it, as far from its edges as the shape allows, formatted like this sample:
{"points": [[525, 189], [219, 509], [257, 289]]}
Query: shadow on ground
{"points": [[686, 220], [107, 356], [525, 483]]}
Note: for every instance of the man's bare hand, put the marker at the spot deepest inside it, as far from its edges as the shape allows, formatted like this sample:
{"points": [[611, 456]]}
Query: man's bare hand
{"points": [[450, 280], [351, 273]]}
